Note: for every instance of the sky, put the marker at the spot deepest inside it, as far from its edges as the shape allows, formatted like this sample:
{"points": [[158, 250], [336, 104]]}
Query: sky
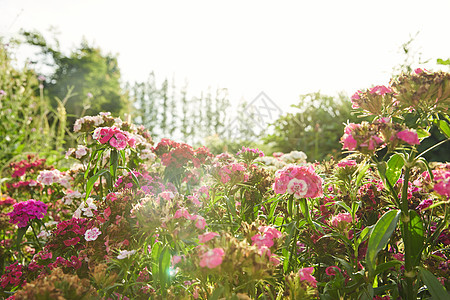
{"points": [[281, 48]]}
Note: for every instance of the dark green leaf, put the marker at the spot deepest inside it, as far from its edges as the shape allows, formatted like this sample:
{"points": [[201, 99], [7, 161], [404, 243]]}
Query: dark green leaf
{"points": [[92, 180], [380, 236], [436, 289], [415, 227]]}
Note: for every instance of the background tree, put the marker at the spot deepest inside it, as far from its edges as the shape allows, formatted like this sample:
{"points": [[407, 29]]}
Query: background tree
{"points": [[94, 76], [315, 128]]}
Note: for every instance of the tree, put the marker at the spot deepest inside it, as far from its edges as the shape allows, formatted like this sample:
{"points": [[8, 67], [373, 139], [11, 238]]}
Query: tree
{"points": [[315, 129], [95, 78]]}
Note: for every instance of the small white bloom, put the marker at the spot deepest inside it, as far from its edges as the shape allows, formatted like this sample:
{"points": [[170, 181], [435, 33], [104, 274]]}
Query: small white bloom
{"points": [[124, 254]]}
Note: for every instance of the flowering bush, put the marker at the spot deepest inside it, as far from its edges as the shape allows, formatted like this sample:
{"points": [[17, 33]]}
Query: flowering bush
{"points": [[133, 221]]}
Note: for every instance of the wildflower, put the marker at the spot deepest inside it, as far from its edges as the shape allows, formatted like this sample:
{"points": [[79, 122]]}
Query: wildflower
{"points": [[305, 275], [212, 258], [300, 181], [114, 136], [203, 238], [297, 187], [262, 240], [424, 204], [341, 219], [442, 185], [331, 271], [200, 222], [347, 163], [92, 234], [409, 136], [125, 254], [23, 212], [380, 90]]}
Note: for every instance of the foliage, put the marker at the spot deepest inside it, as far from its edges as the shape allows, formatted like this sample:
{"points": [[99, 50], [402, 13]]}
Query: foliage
{"points": [[315, 127], [92, 77], [27, 122]]}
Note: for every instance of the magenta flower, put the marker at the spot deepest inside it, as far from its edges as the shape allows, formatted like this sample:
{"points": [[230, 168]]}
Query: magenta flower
{"points": [[24, 212], [92, 234], [331, 271], [270, 231], [305, 275], [203, 238], [212, 258], [114, 136], [424, 204], [409, 136]]}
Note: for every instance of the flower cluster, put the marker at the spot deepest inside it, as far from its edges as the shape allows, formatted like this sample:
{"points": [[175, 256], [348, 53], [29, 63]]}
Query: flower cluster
{"points": [[26, 211], [211, 258], [232, 173], [21, 167], [88, 123], [176, 155], [115, 137], [368, 137], [300, 181], [78, 153], [49, 177], [374, 100]]}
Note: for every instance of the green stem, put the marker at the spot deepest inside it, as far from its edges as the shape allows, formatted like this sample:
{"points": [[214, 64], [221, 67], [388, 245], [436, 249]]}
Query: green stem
{"points": [[35, 236], [406, 235]]}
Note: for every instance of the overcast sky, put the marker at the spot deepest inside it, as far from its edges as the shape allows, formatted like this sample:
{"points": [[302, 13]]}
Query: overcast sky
{"points": [[284, 48]]}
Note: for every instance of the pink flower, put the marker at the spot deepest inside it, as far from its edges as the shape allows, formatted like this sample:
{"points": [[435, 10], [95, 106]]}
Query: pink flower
{"points": [[175, 259], [200, 222], [347, 163], [270, 232], [409, 136], [203, 238], [348, 142], [442, 185], [297, 187], [305, 275], [424, 204], [92, 234], [341, 218], [418, 71], [212, 258], [306, 174], [380, 90], [262, 240]]}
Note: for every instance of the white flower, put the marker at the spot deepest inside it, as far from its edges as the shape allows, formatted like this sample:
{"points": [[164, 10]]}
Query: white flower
{"points": [[124, 254], [81, 151], [92, 234]]}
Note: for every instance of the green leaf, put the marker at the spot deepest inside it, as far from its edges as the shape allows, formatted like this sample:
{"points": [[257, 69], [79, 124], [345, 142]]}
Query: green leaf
{"points": [[394, 168], [415, 227], [363, 236], [361, 174], [422, 133], [444, 127], [385, 266], [305, 211], [92, 180], [217, 293], [20, 233], [380, 236], [440, 61], [436, 289], [114, 162], [164, 263]]}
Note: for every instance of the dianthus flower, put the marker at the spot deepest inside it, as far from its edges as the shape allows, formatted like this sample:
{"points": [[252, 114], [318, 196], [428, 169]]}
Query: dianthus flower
{"points": [[203, 238], [442, 185], [301, 181], [125, 254], [341, 218], [115, 137], [212, 258], [409, 136], [305, 275], [23, 212], [92, 234], [347, 163]]}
